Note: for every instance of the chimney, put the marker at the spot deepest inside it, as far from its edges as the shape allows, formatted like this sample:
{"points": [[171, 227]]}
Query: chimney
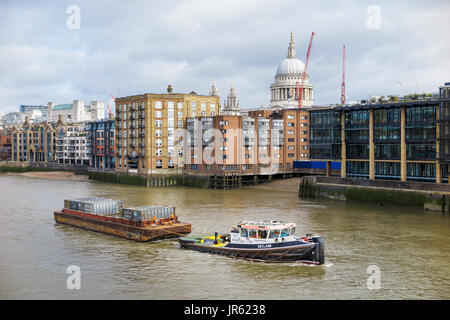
{"points": [[169, 89]]}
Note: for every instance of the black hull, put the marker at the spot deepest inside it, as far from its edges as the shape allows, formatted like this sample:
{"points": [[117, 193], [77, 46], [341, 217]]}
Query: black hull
{"points": [[307, 253]]}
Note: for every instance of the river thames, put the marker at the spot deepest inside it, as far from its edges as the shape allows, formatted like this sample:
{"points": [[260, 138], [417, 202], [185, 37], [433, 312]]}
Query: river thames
{"points": [[409, 246]]}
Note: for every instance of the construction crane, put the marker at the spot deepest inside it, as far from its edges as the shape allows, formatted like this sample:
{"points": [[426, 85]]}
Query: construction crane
{"points": [[114, 100], [300, 90], [343, 77], [109, 110]]}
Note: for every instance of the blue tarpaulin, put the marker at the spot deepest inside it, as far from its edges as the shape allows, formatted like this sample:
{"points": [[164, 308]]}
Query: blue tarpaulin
{"points": [[335, 165]]}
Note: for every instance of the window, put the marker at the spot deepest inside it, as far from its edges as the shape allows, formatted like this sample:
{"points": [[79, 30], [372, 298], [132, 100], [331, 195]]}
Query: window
{"points": [[244, 232], [158, 123], [158, 104], [158, 152], [203, 106], [262, 234], [158, 142], [274, 234], [285, 233], [180, 123], [158, 114], [291, 117], [180, 114], [158, 133], [252, 233], [180, 105]]}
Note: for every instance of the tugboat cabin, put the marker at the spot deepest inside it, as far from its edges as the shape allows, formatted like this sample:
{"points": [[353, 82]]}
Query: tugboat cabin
{"points": [[263, 231]]}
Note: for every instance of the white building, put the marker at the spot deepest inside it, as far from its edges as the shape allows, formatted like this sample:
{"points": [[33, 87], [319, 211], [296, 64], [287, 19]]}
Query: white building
{"points": [[76, 112], [72, 145], [288, 78], [231, 105]]}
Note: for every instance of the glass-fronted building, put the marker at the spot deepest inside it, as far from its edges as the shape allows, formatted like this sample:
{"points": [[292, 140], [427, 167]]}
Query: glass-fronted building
{"points": [[404, 140], [325, 134]]}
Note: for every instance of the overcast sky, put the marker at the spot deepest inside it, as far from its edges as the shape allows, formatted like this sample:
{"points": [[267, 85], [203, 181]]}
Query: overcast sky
{"points": [[142, 46]]}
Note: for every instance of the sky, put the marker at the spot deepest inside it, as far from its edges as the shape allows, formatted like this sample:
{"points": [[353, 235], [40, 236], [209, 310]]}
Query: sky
{"points": [[50, 51]]}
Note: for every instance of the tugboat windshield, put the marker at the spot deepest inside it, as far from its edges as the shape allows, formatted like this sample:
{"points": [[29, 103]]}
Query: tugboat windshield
{"points": [[252, 234], [244, 232], [262, 234], [285, 233], [274, 234]]}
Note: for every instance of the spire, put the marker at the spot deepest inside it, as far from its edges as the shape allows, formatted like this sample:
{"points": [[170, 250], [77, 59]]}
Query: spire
{"points": [[291, 49], [232, 102], [214, 90]]}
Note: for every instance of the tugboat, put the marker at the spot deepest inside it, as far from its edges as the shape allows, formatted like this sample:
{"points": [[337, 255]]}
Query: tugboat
{"points": [[265, 241]]}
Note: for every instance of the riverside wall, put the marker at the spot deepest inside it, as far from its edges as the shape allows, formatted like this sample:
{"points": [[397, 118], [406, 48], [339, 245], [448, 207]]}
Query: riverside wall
{"points": [[430, 196]]}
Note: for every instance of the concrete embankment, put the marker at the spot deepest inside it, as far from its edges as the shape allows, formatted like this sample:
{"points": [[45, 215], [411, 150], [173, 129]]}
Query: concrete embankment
{"points": [[429, 196]]}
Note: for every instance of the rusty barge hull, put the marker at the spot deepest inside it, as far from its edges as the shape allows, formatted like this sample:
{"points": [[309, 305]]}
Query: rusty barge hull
{"points": [[131, 232]]}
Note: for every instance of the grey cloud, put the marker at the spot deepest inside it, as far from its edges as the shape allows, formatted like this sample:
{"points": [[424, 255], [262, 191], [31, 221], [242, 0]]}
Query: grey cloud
{"points": [[142, 46]]}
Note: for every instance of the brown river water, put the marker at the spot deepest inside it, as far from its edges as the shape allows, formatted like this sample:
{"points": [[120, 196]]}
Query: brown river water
{"points": [[410, 247]]}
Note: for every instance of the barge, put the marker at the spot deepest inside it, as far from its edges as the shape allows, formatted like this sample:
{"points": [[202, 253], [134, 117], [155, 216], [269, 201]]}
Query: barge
{"points": [[107, 216], [263, 241]]}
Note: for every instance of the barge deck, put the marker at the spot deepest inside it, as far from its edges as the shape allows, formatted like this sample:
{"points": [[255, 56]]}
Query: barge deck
{"points": [[136, 233]]}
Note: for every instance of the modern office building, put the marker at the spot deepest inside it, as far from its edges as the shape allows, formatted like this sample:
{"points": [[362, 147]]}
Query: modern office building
{"points": [[75, 112], [444, 128], [72, 144], [403, 140], [30, 108], [150, 130], [101, 144]]}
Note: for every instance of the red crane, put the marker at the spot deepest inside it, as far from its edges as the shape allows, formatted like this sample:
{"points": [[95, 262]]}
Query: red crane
{"points": [[300, 90], [114, 100], [343, 77]]}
